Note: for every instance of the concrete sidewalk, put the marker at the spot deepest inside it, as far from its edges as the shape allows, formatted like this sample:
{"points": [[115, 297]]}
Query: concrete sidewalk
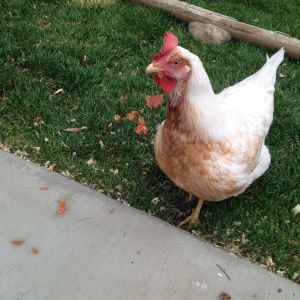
{"points": [[101, 249]]}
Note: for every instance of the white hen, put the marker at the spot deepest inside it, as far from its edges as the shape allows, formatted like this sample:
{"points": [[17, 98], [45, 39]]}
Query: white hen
{"points": [[212, 145]]}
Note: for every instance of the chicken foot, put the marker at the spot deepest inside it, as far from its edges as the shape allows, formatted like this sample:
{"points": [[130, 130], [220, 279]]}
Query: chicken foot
{"points": [[194, 217]]}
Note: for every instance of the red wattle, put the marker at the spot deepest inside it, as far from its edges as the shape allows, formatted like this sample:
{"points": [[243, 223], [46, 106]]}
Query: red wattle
{"points": [[165, 82]]}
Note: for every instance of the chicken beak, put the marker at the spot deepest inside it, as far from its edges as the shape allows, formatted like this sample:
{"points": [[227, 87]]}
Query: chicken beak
{"points": [[153, 69]]}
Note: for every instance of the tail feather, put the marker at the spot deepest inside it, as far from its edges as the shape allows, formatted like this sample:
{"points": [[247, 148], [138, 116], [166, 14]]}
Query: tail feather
{"points": [[267, 74], [277, 58]]}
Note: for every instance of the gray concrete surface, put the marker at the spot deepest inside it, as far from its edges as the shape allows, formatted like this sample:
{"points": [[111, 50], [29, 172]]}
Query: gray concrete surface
{"points": [[101, 249]]}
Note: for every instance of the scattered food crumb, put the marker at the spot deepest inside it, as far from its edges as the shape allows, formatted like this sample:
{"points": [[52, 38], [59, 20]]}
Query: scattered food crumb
{"points": [[61, 208], [75, 129], [142, 127], [132, 115], [225, 296], [154, 101], [111, 211], [296, 209], [17, 242], [35, 250]]}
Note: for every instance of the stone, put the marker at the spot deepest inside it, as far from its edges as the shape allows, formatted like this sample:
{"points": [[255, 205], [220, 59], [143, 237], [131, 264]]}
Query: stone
{"points": [[208, 33]]}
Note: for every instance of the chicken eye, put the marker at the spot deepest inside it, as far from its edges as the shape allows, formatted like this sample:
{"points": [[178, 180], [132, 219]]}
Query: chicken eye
{"points": [[175, 62]]}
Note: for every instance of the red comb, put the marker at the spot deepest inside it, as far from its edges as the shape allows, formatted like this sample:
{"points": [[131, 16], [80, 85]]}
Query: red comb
{"points": [[170, 42]]}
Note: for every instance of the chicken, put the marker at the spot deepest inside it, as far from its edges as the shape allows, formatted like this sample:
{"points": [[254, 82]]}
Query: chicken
{"points": [[211, 145]]}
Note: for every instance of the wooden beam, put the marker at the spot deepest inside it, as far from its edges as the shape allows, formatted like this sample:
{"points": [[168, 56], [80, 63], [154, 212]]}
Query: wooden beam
{"points": [[238, 30]]}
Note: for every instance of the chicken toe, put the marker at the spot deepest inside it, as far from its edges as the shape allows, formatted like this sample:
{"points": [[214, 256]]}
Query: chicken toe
{"points": [[193, 219]]}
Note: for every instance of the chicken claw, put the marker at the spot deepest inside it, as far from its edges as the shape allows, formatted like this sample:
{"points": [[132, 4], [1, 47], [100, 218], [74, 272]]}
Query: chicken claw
{"points": [[193, 219]]}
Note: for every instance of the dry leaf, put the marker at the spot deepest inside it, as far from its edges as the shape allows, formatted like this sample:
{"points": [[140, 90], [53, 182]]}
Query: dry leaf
{"points": [[154, 101], [75, 129], [109, 126], [35, 250], [23, 154], [61, 208], [118, 118], [225, 296], [44, 188], [142, 127], [17, 242], [132, 115], [59, 91], [51, 167], [38, 121]]}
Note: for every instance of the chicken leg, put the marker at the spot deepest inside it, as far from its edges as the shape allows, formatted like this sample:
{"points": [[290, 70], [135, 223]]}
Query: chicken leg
{"points": [[194, 217]]}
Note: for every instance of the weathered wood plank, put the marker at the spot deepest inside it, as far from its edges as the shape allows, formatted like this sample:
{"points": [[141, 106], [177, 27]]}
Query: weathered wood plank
{"points": [[238, 30]]}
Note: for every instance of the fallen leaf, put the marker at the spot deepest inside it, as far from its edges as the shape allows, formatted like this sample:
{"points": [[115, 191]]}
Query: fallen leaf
{"points": [[75, 129], [38, 121], [117, 118], [17, 242], [154, 101], [51, 167], [23, 154], [61, 208], [35, 250], [281, 75], [132, 115], [142, 127], [44, 188], [225, 296], [59, 91], [109, 126]]}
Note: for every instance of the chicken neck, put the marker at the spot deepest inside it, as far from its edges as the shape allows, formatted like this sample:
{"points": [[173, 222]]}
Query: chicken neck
{"points": [[193, 107]]}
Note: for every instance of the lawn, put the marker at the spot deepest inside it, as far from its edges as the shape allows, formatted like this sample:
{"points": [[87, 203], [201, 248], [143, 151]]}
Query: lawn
{"points": [[97, 54]]}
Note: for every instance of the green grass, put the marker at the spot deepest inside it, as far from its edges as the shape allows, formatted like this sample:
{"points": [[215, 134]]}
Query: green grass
{"points": [[98, 55]]}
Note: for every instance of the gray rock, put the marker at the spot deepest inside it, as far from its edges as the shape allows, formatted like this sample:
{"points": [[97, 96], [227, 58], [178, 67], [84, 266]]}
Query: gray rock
{"points": [[208, 33]]}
